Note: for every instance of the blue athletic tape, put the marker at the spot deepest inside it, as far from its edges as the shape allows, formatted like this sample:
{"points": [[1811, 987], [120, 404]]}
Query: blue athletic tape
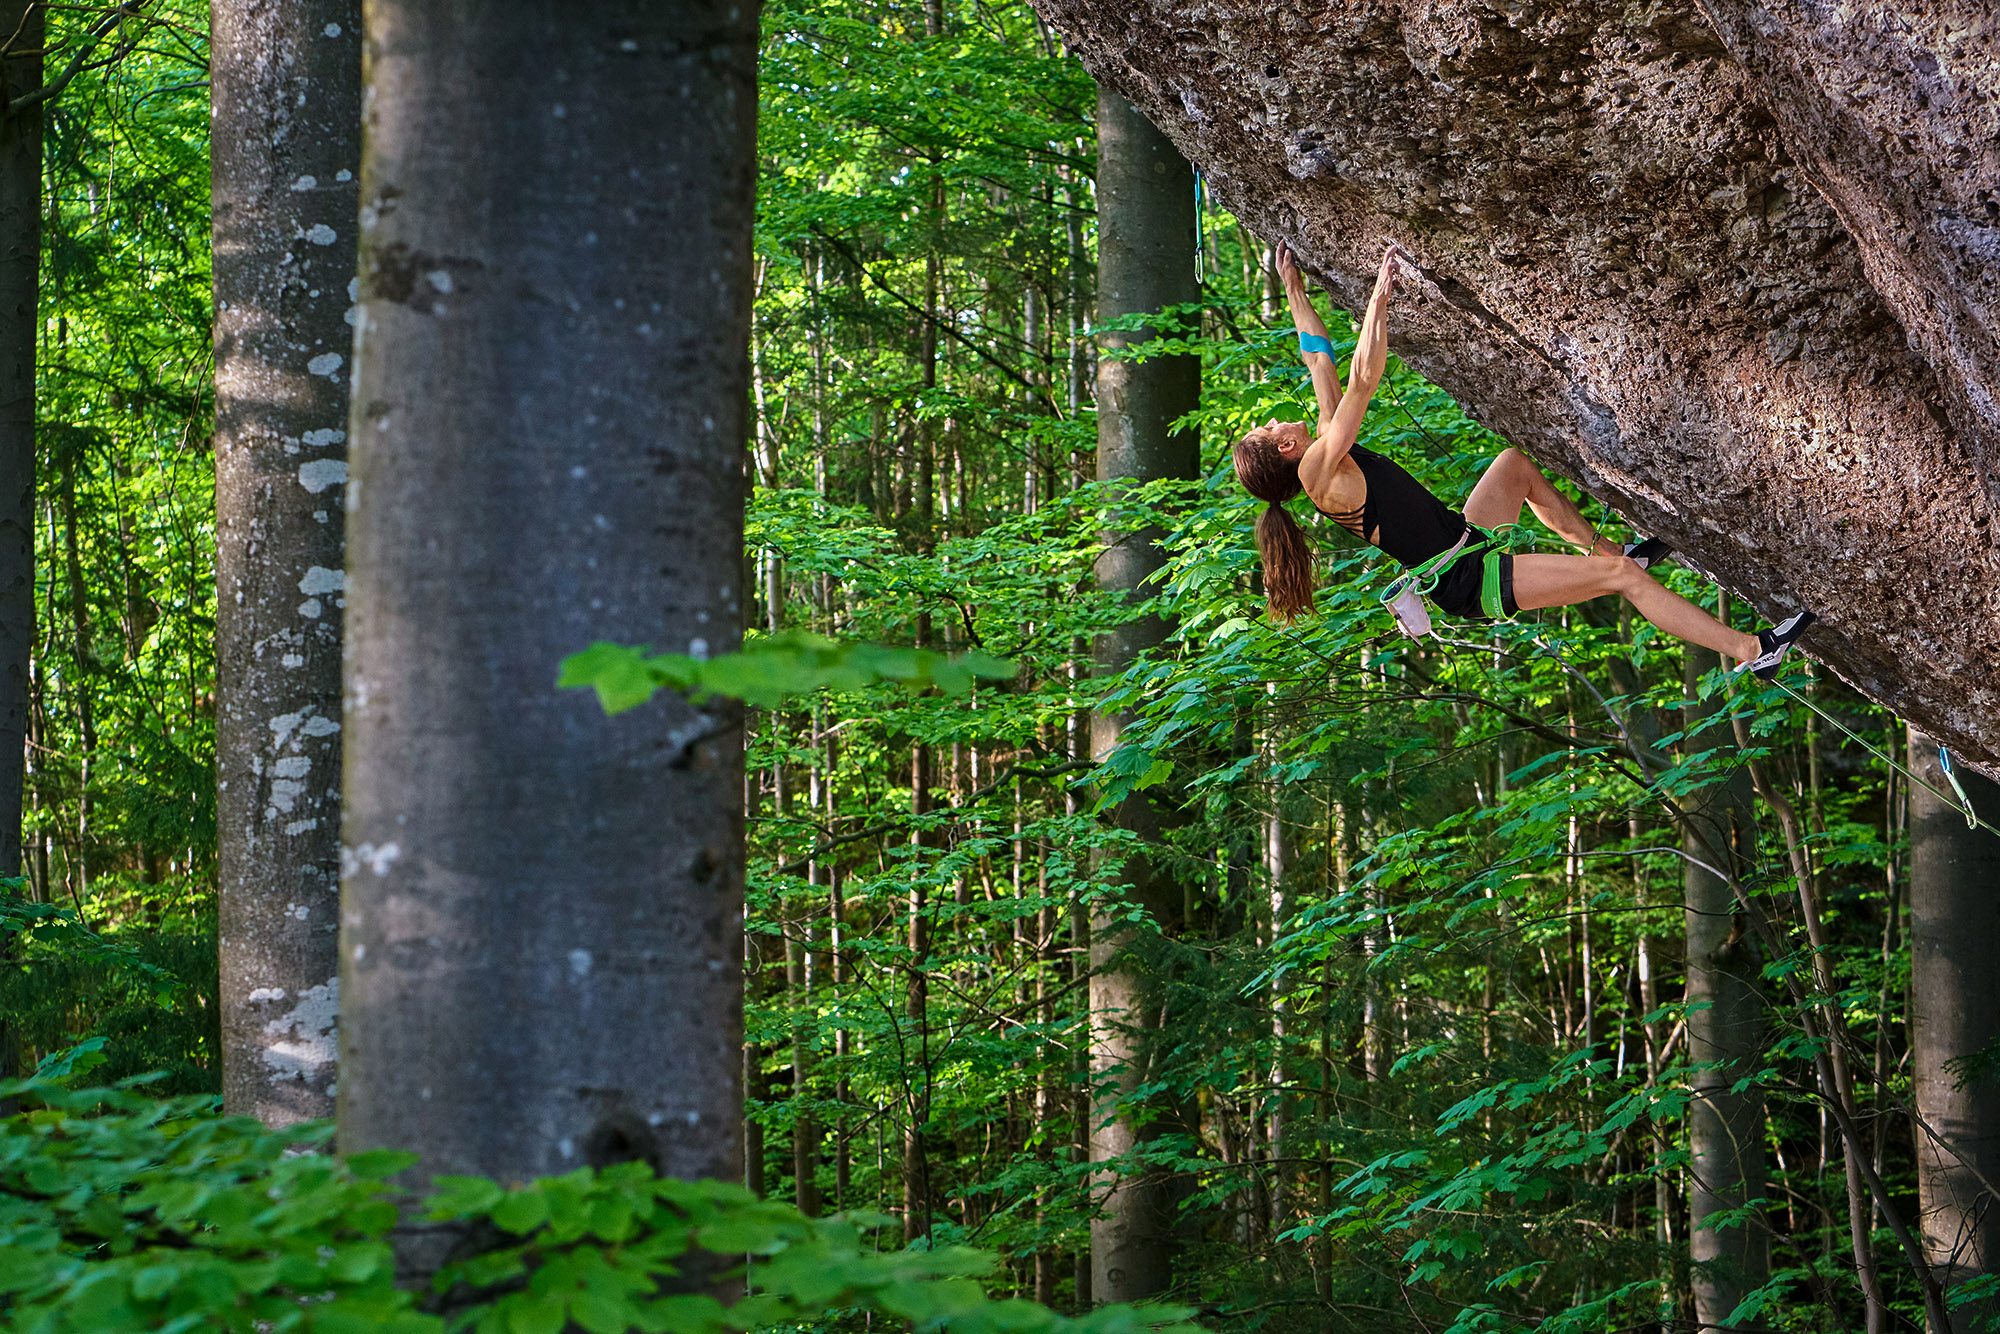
{"points": [[1314, 343]]}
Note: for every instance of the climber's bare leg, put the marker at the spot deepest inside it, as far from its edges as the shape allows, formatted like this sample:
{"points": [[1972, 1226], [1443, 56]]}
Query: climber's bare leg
{"points": [[1561, 581], [1513, 480]]}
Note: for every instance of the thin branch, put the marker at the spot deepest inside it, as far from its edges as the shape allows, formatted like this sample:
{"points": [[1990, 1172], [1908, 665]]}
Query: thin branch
{"points": [[1048, 398], [890, 826], [80, 62]]}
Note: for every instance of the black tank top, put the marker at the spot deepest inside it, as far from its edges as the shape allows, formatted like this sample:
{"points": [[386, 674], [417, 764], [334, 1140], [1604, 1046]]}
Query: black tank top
{"points": [[1415, 525]]}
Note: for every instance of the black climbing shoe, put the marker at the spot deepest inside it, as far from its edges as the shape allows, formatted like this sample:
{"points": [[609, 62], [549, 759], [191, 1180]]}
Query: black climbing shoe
{"points": [[1649, 552], [1776, 643]]}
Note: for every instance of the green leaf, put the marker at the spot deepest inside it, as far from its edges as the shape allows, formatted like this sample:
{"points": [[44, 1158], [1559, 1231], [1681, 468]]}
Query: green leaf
{"points": [[602, 1313], [353, 1264], [618, 672], [521, 1211], [528, 1313], [463, 1197], [740, 1236], [85, 1056], [378, 1164], [693, 1313], [987, 667]]}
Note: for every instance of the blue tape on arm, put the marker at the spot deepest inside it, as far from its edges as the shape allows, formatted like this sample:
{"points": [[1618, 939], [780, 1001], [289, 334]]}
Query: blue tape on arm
{"points": [[1314, 343]]}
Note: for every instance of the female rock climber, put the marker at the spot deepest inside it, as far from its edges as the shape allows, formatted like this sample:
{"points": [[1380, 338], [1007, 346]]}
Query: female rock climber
{"points": [[1454, 557]]}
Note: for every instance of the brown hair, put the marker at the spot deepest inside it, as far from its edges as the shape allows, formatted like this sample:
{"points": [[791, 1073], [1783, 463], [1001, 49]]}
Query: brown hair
{"points": [[1288, 558]]}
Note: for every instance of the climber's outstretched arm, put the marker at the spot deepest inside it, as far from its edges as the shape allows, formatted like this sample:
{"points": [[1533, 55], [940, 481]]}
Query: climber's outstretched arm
{"points": [[1371, 356], [1325, 374]]}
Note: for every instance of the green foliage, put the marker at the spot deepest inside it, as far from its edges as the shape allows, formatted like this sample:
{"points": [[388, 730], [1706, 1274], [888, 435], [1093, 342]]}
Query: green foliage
{"points": [[123, 1003], [122, 1212], [126, 1212], [120, 820], [771, 669]]}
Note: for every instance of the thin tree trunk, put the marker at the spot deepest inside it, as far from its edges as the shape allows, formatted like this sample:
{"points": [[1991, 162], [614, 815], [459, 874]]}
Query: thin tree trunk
{"points": [[84, 656], [541, 906], [1839, 1089], [1955, 1017], [1277, 865], [837, 976], [1145, 261], [286, 99], [35, 853], [1725, 1041], [916, 1001], [805, 1125], [917, 1202]]}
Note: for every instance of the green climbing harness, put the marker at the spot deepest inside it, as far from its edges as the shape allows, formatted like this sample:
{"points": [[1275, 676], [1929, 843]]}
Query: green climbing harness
{"points": [[1406, 592]]}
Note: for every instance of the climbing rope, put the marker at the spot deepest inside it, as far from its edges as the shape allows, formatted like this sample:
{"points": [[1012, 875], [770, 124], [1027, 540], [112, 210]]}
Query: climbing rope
{"points": [[1964, 803]]}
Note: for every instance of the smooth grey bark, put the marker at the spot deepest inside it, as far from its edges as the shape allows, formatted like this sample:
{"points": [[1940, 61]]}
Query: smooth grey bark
{"points": [[542, 906], [1955, 1015], [20, 325], [286, 111], [1145, 261], [1725, 1030]]}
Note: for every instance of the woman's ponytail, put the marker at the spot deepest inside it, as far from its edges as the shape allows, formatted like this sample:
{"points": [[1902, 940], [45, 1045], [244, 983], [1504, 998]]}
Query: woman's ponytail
{"points": [[1288, 563], [1288, 557]]}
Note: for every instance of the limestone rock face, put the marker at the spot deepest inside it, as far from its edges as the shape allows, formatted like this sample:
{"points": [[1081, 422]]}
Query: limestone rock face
{"points": [[1734, 269]]}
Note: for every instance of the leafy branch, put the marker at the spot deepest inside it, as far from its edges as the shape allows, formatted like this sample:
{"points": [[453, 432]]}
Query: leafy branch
{"points": [[771, 669]]}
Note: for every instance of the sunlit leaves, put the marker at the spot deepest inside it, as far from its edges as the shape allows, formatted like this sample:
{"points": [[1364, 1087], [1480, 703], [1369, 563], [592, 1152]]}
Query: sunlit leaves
{"points": [[770, 670]]}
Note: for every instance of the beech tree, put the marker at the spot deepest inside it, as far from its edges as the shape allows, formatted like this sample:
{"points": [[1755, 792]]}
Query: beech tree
{"points": [[20, 324], [1955, 1024], [286, 94], [1145, 261], [1725, 1035], [542, 907]]}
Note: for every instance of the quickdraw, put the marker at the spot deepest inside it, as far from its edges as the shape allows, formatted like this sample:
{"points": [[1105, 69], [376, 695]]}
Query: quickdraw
{"points": [[1965, 802]]}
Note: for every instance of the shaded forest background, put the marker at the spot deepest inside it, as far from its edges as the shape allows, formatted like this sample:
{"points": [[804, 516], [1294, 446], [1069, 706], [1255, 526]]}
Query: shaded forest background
{"points": [[1420, 1055]]}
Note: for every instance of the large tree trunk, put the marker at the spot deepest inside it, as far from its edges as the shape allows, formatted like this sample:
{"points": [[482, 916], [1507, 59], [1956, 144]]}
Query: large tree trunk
{"points": [[1725, 1029], [541, 906], [20, 308], [286, 100], [1629, 273], [1955, 1015], [1145, 260]]}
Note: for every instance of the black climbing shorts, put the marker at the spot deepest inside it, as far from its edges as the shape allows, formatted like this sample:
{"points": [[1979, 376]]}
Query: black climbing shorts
{"points": [[1457, 590]]}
